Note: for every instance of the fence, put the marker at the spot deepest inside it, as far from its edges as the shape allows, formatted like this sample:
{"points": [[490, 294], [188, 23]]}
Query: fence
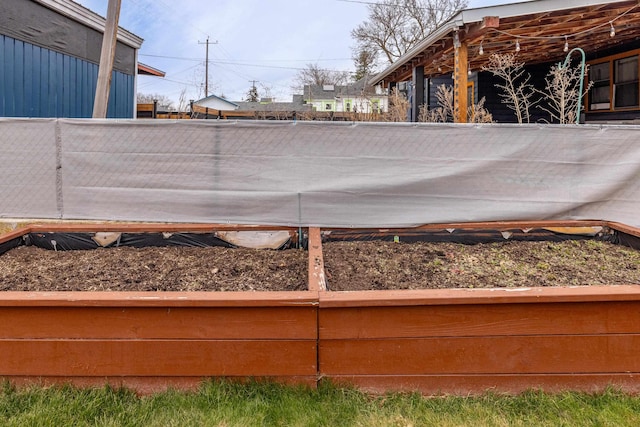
{"points": [[316, 174]]}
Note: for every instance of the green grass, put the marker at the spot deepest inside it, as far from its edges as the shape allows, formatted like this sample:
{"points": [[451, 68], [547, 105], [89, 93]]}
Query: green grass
{"points": [[221, 403]]}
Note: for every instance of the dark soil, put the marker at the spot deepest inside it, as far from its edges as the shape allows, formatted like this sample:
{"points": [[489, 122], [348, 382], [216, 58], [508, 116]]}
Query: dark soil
{"points": [[175, 268], [387, 265], [348, 265]]}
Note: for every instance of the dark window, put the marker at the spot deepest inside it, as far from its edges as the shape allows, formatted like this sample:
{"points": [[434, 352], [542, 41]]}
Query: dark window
{"points": [[615, 84], [626, 82], [599, 95]]}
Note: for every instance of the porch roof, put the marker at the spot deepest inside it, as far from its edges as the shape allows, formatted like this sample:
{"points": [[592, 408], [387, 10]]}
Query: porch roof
{"points": [[540, 27]]}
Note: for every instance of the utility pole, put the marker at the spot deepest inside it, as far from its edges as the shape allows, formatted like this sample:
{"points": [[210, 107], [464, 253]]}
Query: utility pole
{"points": [[109, 40], [206, 66]]}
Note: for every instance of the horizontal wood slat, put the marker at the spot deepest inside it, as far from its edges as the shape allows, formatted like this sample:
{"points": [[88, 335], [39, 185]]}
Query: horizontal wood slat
{"points": [[156, 322], [534, 295], [481, 355], [159, 299], [478, 320], [157, 358]]}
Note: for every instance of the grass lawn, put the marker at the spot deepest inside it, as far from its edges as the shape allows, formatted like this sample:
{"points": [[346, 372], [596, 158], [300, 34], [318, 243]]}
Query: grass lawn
{"points": [[220, 403]]}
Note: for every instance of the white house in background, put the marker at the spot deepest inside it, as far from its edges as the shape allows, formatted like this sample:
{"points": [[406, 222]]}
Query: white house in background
{"points": [[216, 103], [358, 97]]}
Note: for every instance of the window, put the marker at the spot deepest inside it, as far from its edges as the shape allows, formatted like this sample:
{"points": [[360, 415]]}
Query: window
{"points": [[348, 106], [471, 100], [615, 84], [327, 106], [471, 94], [599, 95], [626, 82]]}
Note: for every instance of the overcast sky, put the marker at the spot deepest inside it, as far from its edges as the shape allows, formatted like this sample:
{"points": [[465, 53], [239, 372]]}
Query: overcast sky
{"points": [[266, 41]]}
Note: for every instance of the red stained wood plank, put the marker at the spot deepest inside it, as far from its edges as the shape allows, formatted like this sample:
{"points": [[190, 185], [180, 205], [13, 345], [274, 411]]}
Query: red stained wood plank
{"points": [[479, 296], [14, 234], [140, 227], [634, 231], [156, 322], [481, 355], [157, 358], [478, 384], [496, 225], [159, 299], [317, 280], [480, 320]]}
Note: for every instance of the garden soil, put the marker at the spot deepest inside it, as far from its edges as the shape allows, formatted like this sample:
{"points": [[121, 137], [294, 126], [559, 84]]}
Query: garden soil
{"points": [[348, 265]]}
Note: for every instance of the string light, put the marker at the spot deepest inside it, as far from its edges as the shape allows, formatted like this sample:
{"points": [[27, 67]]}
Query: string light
{"points": [[468, 69], [612, 32]]}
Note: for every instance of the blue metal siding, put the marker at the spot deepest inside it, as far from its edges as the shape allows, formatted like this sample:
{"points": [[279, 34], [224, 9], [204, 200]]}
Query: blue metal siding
{"points": [[39, 82]]}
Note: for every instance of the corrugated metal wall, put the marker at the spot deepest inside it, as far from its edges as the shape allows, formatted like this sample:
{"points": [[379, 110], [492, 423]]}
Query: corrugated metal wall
{"points": [[39, 82]]}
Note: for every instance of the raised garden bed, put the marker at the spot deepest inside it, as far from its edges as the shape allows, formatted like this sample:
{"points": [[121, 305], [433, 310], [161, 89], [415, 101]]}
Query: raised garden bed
{"points": [[528, 333], [147, 337], [399, 337]]}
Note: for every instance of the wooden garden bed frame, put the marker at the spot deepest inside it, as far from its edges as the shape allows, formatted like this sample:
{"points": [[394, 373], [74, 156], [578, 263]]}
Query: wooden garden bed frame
{"points": [[436, 341], [150, 341]]}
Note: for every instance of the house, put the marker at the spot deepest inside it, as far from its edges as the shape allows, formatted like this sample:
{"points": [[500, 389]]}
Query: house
{"points": [[360, 97], [541, 34], [49, 56], [265, 109], [216, 103]]}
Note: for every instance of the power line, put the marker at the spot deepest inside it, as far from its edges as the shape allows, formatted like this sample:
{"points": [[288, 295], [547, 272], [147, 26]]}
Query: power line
{"points": [[242, 64], [182, 23], [265, 60]]}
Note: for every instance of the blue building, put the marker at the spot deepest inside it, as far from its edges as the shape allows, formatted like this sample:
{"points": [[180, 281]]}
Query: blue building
{"points": [[49, 55]]}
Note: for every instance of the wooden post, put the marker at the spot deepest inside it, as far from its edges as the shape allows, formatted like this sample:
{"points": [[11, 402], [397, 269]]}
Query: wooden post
{"points": [[107, 55], [418, 92], [460, 69]]}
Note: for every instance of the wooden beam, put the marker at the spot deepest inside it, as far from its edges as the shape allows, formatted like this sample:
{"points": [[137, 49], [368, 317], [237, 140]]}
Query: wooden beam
{"points": [[107, 55], [475, 31], [460, 84]]}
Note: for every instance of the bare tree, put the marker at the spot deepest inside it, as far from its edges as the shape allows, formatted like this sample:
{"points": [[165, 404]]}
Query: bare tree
{"points": [[478, 113], [252, 94], [148, 98], [517, 92], [182, 100], [266, 91], [444, 111], [562, 92], [398, 106], [395, 26], [312, 74], [365, 61]]}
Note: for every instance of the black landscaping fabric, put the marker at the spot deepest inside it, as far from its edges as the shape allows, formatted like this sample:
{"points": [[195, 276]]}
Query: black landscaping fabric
{"points": [[85, 241], [80, 241], [467, 237], [10, 244]]}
